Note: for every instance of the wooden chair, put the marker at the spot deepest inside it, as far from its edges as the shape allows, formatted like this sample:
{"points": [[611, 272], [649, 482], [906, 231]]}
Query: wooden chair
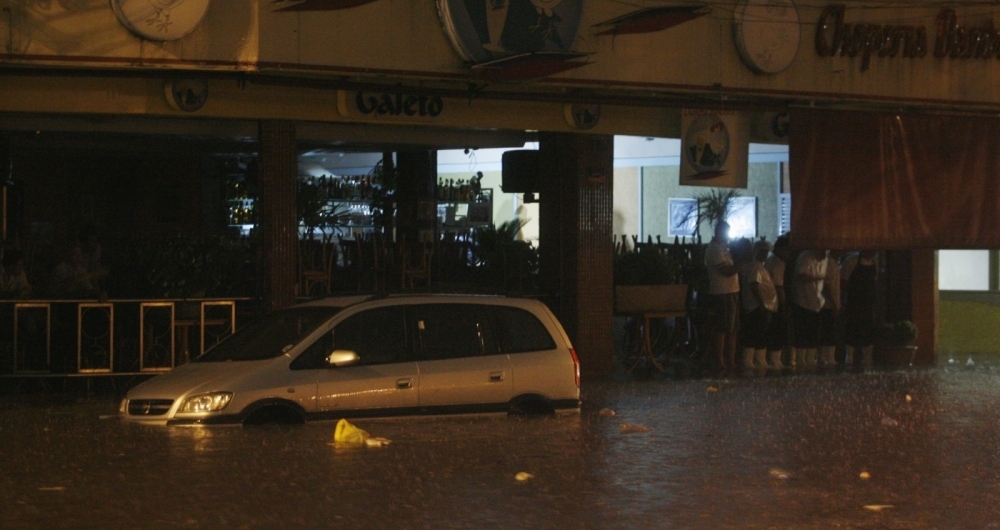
{"points": [[316, 259], [416, 264]]}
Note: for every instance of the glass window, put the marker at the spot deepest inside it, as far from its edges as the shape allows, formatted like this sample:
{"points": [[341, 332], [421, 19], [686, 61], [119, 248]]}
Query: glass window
{"points": [[447, 331], [270, 336], [315, 355], [520, 331], [378, 335]]}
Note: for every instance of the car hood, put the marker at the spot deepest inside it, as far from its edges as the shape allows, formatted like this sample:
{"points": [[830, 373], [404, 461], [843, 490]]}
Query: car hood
{"points": [[196, 378]]}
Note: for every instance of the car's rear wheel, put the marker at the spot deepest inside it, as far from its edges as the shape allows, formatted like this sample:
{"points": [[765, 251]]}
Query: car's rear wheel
{"points": [[531, 405]]}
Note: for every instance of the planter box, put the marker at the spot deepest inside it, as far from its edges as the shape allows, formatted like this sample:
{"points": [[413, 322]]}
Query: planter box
{"points": [[641, 299], [896, 355]]}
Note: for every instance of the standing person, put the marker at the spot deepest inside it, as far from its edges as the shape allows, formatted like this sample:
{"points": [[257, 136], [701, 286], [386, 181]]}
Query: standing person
{"points": [[760, 302], [861, 317], [777, 333], [724, 299], [830, 314], [13, 280], [807, 286]]}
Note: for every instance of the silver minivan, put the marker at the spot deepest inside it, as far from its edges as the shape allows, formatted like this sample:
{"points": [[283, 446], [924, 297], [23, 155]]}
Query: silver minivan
{"points": [[372, 356]]}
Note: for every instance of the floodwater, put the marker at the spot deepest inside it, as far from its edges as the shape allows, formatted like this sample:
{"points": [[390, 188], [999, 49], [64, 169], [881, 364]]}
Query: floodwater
{"points": [[881, 450]]}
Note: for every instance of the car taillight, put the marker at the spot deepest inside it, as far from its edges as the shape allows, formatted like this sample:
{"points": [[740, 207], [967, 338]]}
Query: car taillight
{"points": [[576, 366]]}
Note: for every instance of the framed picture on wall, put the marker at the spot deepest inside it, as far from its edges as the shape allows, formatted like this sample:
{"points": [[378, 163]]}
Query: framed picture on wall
{"points": [[683, 217], [742, 217]]}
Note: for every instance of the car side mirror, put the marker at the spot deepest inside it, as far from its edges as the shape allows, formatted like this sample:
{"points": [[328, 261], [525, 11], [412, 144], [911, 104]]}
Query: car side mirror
{"points": [[342, 358]]}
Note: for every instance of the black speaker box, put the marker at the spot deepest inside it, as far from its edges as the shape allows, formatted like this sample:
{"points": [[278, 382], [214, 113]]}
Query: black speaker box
{"points": [[520, 171]]}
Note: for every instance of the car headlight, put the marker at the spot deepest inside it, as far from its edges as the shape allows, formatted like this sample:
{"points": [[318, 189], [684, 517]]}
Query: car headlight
{"points": [[212, 402]]}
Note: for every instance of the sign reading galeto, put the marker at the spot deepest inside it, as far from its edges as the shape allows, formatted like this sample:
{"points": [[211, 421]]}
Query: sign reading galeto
{"points": [[835, 36], [399, 104]]}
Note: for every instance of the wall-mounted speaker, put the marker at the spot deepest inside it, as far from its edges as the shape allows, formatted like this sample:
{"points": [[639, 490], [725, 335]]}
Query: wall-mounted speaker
{"points": [[519, 172]]}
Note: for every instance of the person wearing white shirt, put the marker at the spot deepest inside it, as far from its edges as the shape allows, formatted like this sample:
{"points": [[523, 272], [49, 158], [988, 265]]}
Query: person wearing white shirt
{"points": [[829, 316], [760, 302], [777, 333], [723, 299], [807, 289]]}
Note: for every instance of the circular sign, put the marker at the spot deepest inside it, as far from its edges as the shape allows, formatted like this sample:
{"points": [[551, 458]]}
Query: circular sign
{"points": [[483, 30], [767, 34], [188, 95], [707, 143], [581, 116], [161, 20]]}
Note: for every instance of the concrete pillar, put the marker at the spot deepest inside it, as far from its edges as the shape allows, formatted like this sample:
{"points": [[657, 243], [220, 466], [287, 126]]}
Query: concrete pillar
{"points": [[576, 248], [276, 215], [924, 302]]}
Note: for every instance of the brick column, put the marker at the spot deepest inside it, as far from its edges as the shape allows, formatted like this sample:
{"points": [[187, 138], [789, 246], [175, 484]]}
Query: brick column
{"points": [[576, 250], [276, 216]]}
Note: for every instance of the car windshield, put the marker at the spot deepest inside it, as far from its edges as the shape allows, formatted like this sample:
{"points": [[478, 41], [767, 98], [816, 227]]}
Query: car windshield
{"points": [[269, 336]]}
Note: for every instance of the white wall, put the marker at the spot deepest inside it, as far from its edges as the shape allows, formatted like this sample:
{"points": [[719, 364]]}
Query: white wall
{"points": [[964, 270]]}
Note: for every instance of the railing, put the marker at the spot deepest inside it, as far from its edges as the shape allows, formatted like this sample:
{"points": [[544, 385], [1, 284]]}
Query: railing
{"points": [[113, 336]]}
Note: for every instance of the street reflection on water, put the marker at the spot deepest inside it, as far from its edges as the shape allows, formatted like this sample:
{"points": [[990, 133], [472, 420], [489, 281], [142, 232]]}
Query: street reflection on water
{"points": [[906, 449]]}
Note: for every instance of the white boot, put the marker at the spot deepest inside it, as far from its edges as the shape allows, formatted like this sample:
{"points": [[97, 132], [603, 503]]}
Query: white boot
{"points": [[775, 363], [748, 358], [789, 353], [810, 357], [828, 355], [760, 359]]}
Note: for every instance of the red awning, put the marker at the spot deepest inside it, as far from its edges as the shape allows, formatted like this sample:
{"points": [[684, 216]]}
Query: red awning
{"points": [[894, 181]]}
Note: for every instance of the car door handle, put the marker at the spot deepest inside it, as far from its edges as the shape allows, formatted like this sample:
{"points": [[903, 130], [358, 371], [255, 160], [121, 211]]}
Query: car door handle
{"points": [[404, 383], [496, 377]]}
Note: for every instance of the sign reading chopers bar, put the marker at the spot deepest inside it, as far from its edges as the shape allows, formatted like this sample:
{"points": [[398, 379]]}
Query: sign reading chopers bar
{"points": [[835, 36]]}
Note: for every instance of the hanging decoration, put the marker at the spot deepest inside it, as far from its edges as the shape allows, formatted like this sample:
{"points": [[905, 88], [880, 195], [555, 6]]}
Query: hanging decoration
{"points": [[715, 147], [514, 39], [651, 19]]}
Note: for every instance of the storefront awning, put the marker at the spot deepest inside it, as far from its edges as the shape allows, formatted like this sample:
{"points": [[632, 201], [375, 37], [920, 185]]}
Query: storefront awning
{"points": [[894, 181]]}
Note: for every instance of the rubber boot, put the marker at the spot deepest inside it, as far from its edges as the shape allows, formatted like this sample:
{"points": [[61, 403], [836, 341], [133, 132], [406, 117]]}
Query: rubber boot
{"points": [[789, 353], [828, 356], [748, 358], [810, 357], [775, 363], [760, 359]]}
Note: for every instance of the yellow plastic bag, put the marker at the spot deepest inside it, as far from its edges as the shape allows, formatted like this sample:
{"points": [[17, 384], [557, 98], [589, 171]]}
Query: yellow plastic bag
{"points": [[347, 433]]}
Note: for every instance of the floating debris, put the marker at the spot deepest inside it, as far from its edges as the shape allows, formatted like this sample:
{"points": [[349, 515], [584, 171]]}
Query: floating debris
{"points": [[606, 412], [626, 428], [780, 474], [865, 475], [878, 507], [52, 488], [522, 476], [908, 398], [889, 422], [713, 389], [377, 442]]}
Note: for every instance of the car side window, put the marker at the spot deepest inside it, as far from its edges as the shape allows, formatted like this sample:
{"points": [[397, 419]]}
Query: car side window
{"points": [[447, 331], [378, 335], [315, 355], [520, 331]]}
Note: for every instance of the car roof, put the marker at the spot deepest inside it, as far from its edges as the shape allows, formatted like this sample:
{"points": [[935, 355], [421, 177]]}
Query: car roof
{"points": [[347, 301]]}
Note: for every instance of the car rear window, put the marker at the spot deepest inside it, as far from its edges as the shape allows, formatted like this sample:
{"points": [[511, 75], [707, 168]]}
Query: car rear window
{"points": [[520, 331], [269, 336]]}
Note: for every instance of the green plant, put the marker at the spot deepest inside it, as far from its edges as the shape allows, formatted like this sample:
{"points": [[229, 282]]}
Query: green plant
{"points": [[711, 207], [899, 333], [500, 255], [315, 210]]}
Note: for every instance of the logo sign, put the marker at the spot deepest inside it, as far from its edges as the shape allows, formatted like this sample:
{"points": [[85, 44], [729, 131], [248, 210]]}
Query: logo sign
{"points": [[766, 34], [582, 117], [484, 30], [390, 104], [188, 95], [714, 149], [160, 20]]}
